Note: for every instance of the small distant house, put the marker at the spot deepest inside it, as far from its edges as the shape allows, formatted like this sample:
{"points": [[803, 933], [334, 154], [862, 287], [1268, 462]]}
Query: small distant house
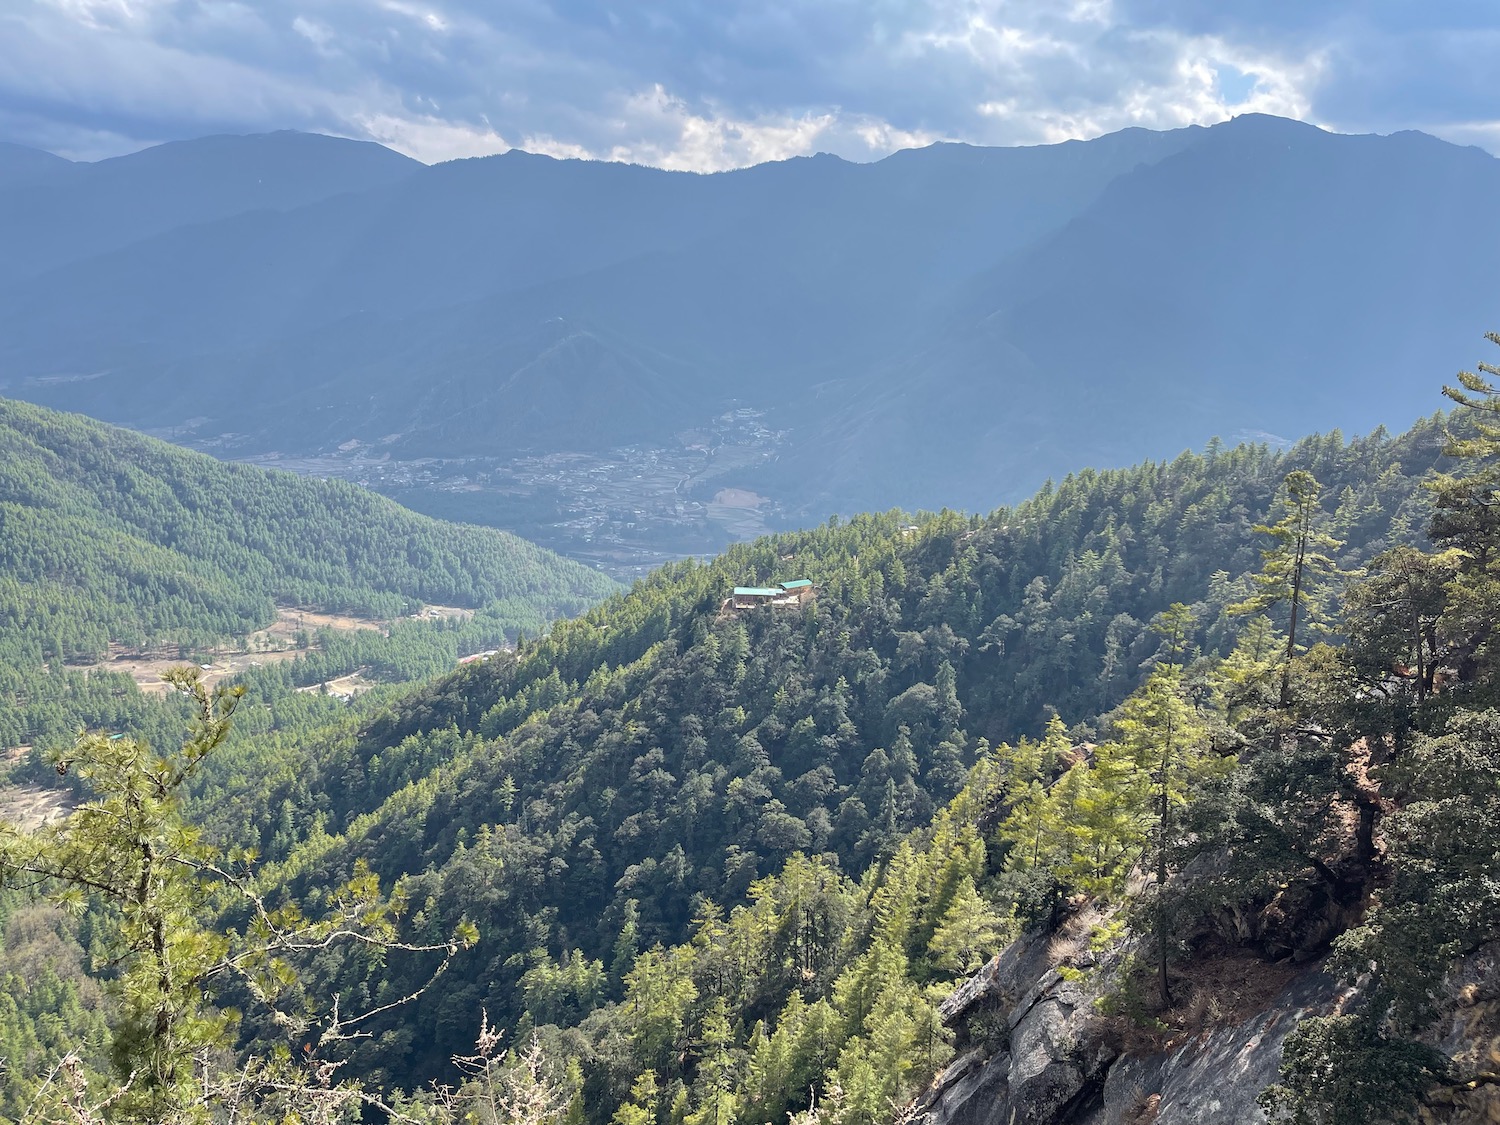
{"points": [[800, 588], [748, 597], [781, 595]]}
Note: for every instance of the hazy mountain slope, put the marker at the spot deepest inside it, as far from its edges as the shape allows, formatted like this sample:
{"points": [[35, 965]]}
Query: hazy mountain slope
{"points": [[531, 386], [19, 164], [1268, 278], [1258, 258], [766, 268], [84, 210], [993, 316]]}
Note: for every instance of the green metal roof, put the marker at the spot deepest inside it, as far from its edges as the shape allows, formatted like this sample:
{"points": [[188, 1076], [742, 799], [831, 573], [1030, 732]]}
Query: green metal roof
{"points": [[797, 584], [756, 591]]}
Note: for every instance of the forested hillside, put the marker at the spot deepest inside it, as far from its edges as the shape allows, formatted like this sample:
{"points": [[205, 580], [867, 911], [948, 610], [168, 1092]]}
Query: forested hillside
{"points": [[586, 798], [110, 541], [728, 864]]}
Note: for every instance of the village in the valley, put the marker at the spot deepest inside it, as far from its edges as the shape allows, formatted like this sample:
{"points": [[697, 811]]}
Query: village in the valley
{"points": [[624, 510]]}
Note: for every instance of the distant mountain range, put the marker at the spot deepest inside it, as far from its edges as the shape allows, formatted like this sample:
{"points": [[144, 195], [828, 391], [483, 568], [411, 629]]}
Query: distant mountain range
{"points": [[949, 325]]}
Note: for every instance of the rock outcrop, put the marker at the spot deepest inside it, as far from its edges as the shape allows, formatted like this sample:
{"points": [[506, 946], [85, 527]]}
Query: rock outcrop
{"points": [[1214, 1077], [1034, 1050], [1467, 1030]]}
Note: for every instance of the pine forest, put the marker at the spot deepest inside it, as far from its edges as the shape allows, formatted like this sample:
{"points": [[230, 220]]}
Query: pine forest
{"points": [[1176, 740]]}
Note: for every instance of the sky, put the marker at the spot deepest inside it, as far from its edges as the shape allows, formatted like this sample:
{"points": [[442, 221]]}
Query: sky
{"points": [[710, 84]]}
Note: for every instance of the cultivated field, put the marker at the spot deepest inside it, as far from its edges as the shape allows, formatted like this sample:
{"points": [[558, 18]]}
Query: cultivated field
{"points": [[276, 642]]}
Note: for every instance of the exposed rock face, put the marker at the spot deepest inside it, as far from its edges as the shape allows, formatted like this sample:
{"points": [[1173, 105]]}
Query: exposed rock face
{"points": [[1468, 1031], [1034, 1051], [1052, 1059], [1043, 1053], [1214, 1078]]}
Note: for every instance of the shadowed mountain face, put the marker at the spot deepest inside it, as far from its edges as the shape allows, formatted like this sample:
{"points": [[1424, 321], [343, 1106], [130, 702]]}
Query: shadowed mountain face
{"points": [[53, 212], [948, 325], [19, 164], [1268, 279]]}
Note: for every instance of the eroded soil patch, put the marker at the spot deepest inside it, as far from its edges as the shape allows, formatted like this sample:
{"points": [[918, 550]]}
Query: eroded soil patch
{"points": [[29, 807], [276, 642]]}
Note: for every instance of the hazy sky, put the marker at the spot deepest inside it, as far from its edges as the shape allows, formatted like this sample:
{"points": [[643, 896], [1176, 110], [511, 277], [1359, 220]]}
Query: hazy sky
{"points": [[705, 84]]}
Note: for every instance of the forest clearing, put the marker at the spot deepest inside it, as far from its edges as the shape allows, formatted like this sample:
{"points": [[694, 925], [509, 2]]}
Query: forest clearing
{"points": [[275, 643]]}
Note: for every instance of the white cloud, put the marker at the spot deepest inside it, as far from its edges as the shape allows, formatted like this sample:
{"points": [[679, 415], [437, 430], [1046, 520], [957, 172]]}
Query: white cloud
{"points": [[1484, 134], [1190, 91], [683, 84], [319, 34], [661, 130], [75, 142], [1080, 75], [430, 18], [430, 139], [106, 13]]}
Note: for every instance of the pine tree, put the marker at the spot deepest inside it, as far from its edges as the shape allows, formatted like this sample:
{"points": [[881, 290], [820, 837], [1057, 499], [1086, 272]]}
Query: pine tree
{"points": [[1393, 617], [1034, 841], [1103, 806], [719, 1102], [658, 992], [131, 850], [642, 1105], [1241, 682], [1161, 733], [1482, 397], [1467, 520], [1295, 567], [967, 933]]}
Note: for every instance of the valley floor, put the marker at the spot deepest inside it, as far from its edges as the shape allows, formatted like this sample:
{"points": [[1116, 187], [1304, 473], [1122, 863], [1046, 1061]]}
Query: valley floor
{"points": [[624, 510]]}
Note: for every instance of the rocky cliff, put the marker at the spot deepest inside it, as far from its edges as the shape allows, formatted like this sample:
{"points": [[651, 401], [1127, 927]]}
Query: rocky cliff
{"points": [[1037, 1047], [1034, 1047]]}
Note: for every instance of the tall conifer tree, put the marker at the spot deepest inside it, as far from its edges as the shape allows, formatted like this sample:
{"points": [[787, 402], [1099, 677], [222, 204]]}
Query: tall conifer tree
{"points": [[1295, 566]]}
